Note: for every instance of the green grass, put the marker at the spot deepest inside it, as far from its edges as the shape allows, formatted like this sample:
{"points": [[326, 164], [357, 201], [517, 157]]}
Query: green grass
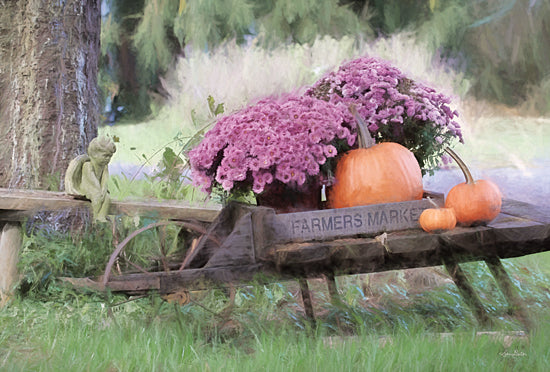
{"points": [[92, 333], [393, 327], [505, 141]]}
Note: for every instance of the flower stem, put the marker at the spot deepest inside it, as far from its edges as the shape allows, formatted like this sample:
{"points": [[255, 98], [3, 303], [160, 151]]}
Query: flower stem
{"points": [[463, 167], [364, 139]]}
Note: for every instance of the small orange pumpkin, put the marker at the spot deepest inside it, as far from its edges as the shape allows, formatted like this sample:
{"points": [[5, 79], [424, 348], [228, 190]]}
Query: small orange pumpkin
{"points": [[474, 202], [437, 219], [375, 173]]}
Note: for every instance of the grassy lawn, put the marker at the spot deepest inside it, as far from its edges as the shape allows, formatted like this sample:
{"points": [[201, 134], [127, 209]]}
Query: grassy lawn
{"points": [[93, 333], [507, 141], [490, 141]]}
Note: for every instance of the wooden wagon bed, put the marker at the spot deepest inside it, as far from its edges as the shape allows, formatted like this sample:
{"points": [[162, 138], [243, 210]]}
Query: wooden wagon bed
{"points": [[255, 243], [521, 229]]}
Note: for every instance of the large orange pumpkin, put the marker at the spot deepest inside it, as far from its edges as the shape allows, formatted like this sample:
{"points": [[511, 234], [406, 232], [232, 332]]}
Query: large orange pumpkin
{"points": [[474, 202], [375, 173]]}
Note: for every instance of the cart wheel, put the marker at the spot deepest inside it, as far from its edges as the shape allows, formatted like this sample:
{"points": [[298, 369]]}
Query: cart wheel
{"points": [[177, 243]]}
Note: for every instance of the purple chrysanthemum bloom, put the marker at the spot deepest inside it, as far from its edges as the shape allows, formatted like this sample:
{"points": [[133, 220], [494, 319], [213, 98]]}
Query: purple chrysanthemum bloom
{"points": [[286, 139], [394, 107]]}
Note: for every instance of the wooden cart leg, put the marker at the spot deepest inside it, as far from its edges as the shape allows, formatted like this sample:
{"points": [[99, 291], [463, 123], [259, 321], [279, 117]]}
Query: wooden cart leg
{"points": [[306, 298], [332, 288], [507, 287], [467, 291], [10, 244]]}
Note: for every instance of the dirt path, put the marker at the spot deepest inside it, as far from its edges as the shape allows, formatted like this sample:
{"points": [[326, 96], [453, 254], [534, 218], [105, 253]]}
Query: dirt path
{"points": [[531, 185]]}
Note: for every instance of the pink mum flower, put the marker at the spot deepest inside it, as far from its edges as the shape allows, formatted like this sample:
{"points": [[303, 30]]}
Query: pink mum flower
{"points": [[395, 108], [287, 140]]}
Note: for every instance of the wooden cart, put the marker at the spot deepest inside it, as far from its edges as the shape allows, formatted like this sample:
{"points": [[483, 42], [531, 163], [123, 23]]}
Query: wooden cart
{"points": [[239, 242]]}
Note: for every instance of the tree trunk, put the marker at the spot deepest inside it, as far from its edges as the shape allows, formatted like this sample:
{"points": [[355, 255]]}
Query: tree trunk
{"points": [[49, 107]]}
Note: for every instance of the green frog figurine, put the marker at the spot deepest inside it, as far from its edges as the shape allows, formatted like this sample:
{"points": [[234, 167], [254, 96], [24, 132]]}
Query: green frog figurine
{"points": [[87, 175]]}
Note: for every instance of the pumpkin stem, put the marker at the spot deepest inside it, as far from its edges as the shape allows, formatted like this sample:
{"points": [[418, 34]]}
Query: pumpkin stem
{"points": [[463, 167], [364, 138], [432, 202]]}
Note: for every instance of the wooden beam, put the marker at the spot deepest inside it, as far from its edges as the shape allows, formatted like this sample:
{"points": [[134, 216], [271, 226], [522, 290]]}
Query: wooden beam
{"points": [[507, 237], [332, 288], [509, 291], [307, 300], [28, 202], [467, 291], [36, 200], [525, 210], [11, 239], [172, 210], [346, 222], [172, 281]]}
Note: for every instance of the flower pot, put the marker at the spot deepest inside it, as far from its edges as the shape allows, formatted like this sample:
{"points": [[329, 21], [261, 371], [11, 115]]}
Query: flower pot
{"points": [[286, 199]]}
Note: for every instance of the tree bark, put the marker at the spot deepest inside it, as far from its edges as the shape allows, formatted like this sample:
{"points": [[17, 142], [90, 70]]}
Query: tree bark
{"points": [[49, 107]]}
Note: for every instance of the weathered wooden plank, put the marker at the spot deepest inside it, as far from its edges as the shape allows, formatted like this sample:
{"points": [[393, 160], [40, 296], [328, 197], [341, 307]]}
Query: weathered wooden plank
{"points": [[238, 247], [143, 283], [261, 234], [507, 236], [172, 281], [10, 245], [223, 229], [517, 232], [343, 256], [508, 290], [307, 300], [403, 242], [165, 210], [12, 216], [332, 288], [467, 291], [31, 201], [36, 200], [346, 222], [525, 210], [511, 237], [468, 242], [505, 220]]}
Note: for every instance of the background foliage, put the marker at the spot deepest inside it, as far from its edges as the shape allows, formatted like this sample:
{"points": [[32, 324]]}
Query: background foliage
{"points": [[502, 46]]}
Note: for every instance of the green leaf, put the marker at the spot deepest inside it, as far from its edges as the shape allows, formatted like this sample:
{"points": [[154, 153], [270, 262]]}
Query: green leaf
{"points": [[211, 104], [215, 110], [170, 159], [182, 6], [220, 109]]}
